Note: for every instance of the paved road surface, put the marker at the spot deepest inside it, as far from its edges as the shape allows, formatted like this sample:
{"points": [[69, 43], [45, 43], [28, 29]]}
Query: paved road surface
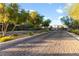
{"points": [[54, 43]]}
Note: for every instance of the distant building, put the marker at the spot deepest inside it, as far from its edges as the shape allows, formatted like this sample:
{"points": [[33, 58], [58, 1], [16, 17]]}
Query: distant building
{"points": [[59, 26]]}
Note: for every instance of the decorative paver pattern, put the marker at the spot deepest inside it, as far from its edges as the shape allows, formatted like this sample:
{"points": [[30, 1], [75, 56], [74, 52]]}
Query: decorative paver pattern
{"points": [[54, 43]]}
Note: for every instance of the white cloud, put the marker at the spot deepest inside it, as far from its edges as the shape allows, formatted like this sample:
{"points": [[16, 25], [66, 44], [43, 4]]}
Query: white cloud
{"points": [[32, 10], [46, 18], [59, 11], [60, 17]]}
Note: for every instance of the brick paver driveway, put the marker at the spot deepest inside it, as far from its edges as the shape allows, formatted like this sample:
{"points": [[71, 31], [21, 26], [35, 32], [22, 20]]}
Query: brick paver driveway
{"points": [[53, 43]]}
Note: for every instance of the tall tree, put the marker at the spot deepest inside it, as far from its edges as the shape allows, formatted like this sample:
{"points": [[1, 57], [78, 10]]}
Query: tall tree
{"points": [[14, 11], [46, 23], [66, 20], [23, 17], [71, 23], [4, 18], [74, 11], [35, 20]]}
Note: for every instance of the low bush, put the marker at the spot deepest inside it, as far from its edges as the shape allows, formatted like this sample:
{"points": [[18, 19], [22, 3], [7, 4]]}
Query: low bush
{"points": [[76, 31], [6, 38], [46, 30], [30, 33], [14, 34]]}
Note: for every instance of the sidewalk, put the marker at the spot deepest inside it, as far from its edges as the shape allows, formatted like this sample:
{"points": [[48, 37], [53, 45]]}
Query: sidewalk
{"points": [[74, 35]]}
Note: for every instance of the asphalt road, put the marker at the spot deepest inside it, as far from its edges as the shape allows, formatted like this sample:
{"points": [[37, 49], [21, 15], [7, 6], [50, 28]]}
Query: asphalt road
{"points": [[53, 43]]}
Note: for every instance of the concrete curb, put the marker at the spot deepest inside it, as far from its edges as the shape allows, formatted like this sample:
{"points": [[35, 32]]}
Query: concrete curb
{"points": [[74, 35], [11, 43]]}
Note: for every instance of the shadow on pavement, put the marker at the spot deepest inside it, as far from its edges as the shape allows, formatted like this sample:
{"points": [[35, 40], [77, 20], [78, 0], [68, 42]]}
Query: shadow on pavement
{"points": [[27, 53]]}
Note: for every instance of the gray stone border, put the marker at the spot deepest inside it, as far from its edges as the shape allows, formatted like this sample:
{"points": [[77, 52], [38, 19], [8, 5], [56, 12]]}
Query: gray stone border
{"points": [[12, 43], [74, 35]]}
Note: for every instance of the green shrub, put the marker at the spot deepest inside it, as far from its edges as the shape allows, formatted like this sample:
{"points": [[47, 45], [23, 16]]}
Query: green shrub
{"points": [[6, 38], [76, 31], [46, 30], [14, 34], [30, 33]]}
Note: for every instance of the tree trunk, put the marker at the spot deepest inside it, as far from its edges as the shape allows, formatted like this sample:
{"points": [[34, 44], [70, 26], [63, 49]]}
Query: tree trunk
{"points": [[6, 27], [3, 34], [13, 28]]}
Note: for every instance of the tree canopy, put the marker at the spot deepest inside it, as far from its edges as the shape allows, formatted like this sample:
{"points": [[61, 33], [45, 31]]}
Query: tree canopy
{"points": [[74, 11], [12, 14]]}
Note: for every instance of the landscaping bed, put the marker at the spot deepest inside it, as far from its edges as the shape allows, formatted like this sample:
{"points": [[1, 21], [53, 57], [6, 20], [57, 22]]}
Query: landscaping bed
{"points": [[19, 35], [15, 36], [76, 31]]}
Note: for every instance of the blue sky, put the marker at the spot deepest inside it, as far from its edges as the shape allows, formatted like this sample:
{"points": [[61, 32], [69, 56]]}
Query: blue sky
{"points": [[52, 11]]}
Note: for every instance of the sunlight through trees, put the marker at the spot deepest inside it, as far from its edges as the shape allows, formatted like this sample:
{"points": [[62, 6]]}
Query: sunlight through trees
{"points": [[12, 14]]}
